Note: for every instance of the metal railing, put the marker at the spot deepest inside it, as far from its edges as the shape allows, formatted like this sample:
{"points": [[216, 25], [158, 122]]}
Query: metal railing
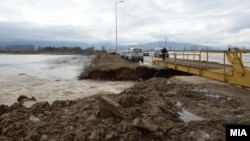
{"points": [[231, 66], [205, 59]]}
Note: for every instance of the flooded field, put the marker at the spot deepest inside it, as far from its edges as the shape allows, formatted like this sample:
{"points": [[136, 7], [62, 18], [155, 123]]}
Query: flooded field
{"points": [[49, 78], [175, 108]]}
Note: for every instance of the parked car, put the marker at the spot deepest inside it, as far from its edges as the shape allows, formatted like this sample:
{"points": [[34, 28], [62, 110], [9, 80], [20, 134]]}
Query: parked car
{"points": [[127, 52], [135, 54], [158, 53], [118, 52], [145, 53], [123, 53]]}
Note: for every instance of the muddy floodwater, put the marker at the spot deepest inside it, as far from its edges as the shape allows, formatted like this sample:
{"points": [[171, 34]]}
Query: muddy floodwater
{"points": [[50, 78]]}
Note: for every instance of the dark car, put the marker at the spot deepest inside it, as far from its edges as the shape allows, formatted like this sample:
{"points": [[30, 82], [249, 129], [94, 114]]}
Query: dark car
{"points": [[158, 53]]}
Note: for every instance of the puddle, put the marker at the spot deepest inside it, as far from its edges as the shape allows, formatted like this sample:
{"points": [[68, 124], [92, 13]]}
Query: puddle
{"points": [[185, 115], [206, 92], [213, 96], [200, 90], [178, 104]]}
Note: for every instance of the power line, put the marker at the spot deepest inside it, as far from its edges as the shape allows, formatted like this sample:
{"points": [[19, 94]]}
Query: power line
{"points": [[131, 12]]}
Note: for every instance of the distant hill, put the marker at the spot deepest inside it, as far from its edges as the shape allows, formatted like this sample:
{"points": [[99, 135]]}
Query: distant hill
{"points": [[44, 43], [99, 45], [177, 46]]}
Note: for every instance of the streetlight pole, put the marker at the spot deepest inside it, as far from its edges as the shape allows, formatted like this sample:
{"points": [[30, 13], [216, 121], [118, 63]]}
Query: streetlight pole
{"points": [[116, 23], [110, 39]]}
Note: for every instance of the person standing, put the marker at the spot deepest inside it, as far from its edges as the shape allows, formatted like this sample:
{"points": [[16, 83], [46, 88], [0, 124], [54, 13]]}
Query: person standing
{"points": [[164, 53]]}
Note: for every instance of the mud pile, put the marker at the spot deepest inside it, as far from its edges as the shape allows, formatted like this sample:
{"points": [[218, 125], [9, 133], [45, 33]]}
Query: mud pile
{"points": [[151, 110]]}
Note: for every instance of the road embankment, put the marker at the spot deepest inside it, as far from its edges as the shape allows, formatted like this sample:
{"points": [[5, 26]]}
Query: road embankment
{"points": [[113, 67]]}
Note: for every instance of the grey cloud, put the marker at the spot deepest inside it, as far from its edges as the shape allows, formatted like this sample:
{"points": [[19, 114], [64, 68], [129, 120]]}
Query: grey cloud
{"points": [[239, 23], [195, 20], [30, 32], [181, 20]]}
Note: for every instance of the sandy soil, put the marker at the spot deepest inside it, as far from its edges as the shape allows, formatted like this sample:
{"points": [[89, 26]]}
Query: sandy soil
{"points": [[169, 109]]}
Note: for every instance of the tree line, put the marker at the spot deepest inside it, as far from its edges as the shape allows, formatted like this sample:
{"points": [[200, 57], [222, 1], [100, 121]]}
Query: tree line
{"points": [[65, 49], [47, 49], [18, 48], [60, 49]]}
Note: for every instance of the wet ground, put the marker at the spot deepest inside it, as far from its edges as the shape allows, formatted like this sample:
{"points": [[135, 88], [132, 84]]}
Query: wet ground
{"points": [[156, 109]]}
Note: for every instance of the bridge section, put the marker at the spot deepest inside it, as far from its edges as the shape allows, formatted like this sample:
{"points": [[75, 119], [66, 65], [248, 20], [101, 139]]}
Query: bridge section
{"points": [[227, 66]]}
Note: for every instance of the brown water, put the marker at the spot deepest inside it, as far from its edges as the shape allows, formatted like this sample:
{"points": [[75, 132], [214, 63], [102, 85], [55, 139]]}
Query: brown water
{"points": [[49, 78]]}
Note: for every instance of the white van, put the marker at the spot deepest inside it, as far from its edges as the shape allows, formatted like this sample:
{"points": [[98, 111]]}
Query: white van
{"points": [[135, 54]]}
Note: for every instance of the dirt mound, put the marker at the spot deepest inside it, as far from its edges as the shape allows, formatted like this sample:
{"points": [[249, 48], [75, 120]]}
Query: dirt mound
{"points": [[139, 73], [151, 110]]}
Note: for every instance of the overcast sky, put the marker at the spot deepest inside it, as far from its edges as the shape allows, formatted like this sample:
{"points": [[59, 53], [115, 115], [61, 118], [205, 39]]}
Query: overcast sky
{"points": [[208, 22]]}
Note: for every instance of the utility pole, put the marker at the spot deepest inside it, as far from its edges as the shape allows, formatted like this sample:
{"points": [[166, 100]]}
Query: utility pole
{"points": [[165, 42], [110, 39], [116, 42]]}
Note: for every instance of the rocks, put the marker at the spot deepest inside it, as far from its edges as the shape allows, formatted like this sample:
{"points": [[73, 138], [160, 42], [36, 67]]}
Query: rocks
{"points": [[108, 104], [111, 136], [34, 119], [25, 101], [91, 118], [28, 103], [44, 138], [3, 109], [233, 101], [238, 111], [94, 136], [145, 124], [34, 136], [131, 100], [59, 104], [23, 97]]}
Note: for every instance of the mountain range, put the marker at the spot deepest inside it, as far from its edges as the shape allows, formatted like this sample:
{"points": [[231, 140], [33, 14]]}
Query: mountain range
{"points": [[101, 45], [178, 46]]}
